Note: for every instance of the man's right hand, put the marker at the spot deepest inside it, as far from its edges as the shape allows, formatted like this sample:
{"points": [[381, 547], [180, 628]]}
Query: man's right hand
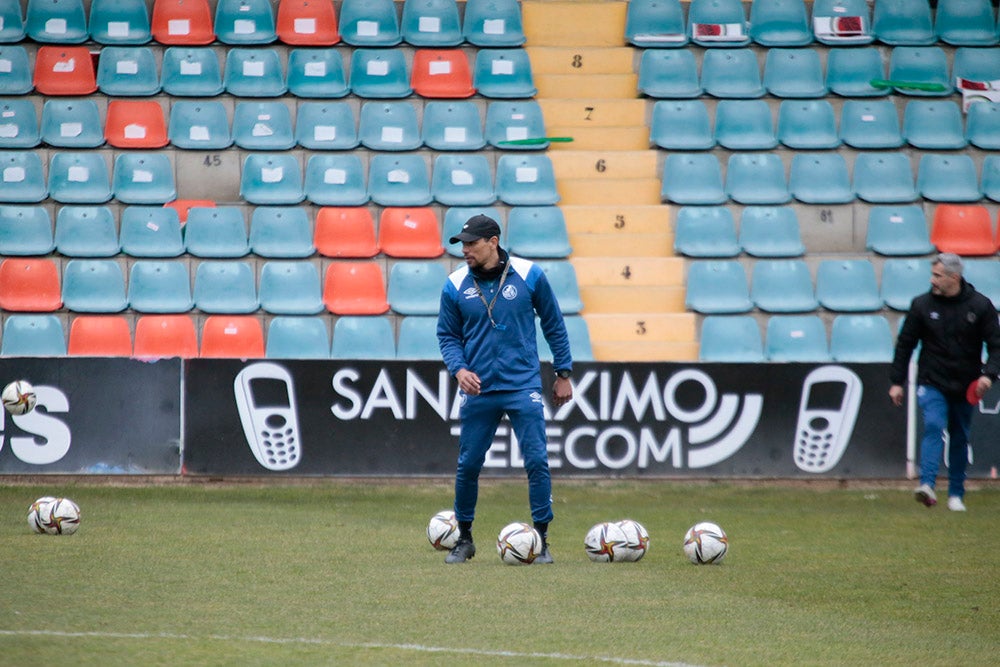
{"points": [[896, 394], [468, 382]]}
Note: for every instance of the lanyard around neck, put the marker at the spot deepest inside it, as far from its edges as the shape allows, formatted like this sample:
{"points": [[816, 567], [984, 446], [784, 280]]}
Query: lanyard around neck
{"points": [[489, 304]]}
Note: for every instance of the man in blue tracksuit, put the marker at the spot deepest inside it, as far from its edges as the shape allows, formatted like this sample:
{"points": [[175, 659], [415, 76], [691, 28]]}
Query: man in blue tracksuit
{"points": [[486, 330]]}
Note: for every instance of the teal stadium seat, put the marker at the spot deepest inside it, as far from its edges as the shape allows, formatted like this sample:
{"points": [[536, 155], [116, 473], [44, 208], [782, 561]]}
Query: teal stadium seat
{"points": [[216, 232], [884, 178], [22, 178], [562, 277], [11, 22], [201, 125], [656, 24], [191, 72], [794, 73], [990, 181], [159, 286], [948, 178], [143, 178], [225, 288], [579, 339], [380, 74], [965, 22], [417, 339], [127, 71], [537, 231], [861, 339], [462, 180], [842, 22], [452, 126], [705, 231], [849, 72], [669, 74], [336, 180], [903, 279], [770, 232], [934, 125], [369, 23], [368, 337], [79, 178], [25, 231], [15, 70], [254, 73], [86, 231], [682, 125], [718, 23], [245, 22], [782, 286], [730, 339], [820, 178], [716, 287], [756, 178], [400, 179], [119, 22], [780, 23], [807, 125], [317, 73], [151, 231], [847, 285], [414, 287], [898, 231], [263, 126], [291, 288], [33, 336], [93, 286], [731, 73], [271, 179], [984, 274], [494, 24], [56, 21], [279, 232], [982, 125], [515, 121], [526, 179], [432, 23], [798, 338], [903, 22], [870, 124], [920, 64], [291, 337], [503, 74], [692, 178], [326, 126], [389, 126], [73, 123], [744, 125], [975, 64], [18, 124]]}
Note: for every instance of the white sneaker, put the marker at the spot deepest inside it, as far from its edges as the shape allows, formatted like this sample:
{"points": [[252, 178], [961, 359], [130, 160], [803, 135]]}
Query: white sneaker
{"points": [[955, 504], [925, 494]]}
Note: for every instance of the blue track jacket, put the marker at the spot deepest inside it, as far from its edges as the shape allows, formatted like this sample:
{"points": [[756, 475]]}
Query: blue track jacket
{"points": [[504, 357]]}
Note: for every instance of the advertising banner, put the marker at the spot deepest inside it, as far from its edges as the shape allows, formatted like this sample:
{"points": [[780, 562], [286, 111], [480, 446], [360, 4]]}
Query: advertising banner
{"points": [[398, 418], [101, 416], [985, 436]]}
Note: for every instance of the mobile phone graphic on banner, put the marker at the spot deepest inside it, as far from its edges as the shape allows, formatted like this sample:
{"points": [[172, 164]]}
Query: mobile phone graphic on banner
{"points": [[265, 398], [831, 398]]}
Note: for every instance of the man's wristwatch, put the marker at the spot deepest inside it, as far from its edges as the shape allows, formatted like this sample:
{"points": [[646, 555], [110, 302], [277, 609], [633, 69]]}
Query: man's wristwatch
{"points": [[564, 374]]}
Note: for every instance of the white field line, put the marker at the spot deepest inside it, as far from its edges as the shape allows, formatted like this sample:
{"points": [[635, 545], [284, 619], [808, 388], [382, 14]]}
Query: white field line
{"points": [[416, 648]]}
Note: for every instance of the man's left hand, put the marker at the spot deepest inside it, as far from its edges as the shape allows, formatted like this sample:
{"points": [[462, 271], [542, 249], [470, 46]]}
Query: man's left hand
{"points": [[562, 391]]}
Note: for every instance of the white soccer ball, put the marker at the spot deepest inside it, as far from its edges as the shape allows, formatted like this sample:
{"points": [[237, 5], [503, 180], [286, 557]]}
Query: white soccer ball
{"points": [[61, 518], [37, 510], [19, 397], [442, 531], [705, 543], [606, 543], [636, 540], [519, 544]]}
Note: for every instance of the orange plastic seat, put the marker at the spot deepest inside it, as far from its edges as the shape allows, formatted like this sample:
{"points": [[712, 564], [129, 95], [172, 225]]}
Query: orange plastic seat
{"points": [[30, 285], [963, 230], [64, 70], [232, 337], [347, 231], [100, 336], [184, 206], [158, 336], [410, 232], [355, 288], [135, 124], [307, 23], [182, 22], [441, 73]]}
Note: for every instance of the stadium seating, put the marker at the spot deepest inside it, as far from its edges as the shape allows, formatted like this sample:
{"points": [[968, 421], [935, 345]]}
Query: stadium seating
{"points": [[151, 231], [756, 178], [433, 23], [278, 232], [493, 24], [244, 22], [807, 125], [717, 287], [462, 180], [731, 73], [135, 124], [79, 178], [982, 125], [345, 232], [782, 286], [143, 178], [11, 22], [93, 286], [317, 73], [15, 70], [732, 339], [794, 73], [903, 279], [770, 231], [453, 126], [682, 125], [253, 73], [669, 74], [369, 23], [184, 22], [100, 336], [127, 71], [718, 23], [18, 124], [119, 22], [291, 337], [271, 179], [356, 337], [389, 126], [820, 178], [400, 179], [744, 125], [861, 339], [920, 64], [418, 339], [884, 178], [965, 22], [503, 73], [849, 72], [29, 284], [263, 126], [22, 177], [948, 178], [693, 178], [190, 72], [526, 180], [903, 22], [355, 288], [705, 231], [63, 70], [379, 74], [159, 286], [984, 274], [86, 231], [991, 178], [800, 338], [656, 24], [218, 232], [508, 121], [780, 23], [537, 231], [847, 285], [232, 337], [162, 336], [306, 23], [442, 73], [963, 229], [56, 21], [409, 233], [325, 126], [898, 230], [934, 125], [33, 336], [225, 287], [562, 278], [72, 123], [870, 124], [415, 287], [25, 231], [201, 125], [291, 288], [842, 22]]}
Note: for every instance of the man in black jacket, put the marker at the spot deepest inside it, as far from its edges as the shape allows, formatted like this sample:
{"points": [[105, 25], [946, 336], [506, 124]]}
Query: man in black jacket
{"points": [[951, 321]]}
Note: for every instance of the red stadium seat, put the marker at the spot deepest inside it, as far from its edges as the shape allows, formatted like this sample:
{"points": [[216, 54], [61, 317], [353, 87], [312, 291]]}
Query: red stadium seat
{"points": [[410, 232], [182, 22], [158, 336], [345, 232], [232, 337], [355, 288], [441, 73], [135, 124], [963, 229], [30, 285], [100, 336], [307, 23], [64, 70]]}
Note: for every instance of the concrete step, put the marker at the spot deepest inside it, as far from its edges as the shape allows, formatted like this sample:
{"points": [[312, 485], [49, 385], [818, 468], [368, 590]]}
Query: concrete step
{"points": [[602, 191], [645, 299], [622, 218], [642, 327], [581, 61], [644, 351], [599, 138], [635, 272], [595, 112], [603, 164], [574, 23], [564, 86], [622, 245]]}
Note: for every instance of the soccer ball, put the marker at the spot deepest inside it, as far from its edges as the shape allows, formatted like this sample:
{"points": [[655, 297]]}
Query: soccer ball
{"points": [[519, 544], [19, 397], [705, 543], [606, 543], [442, 531], [59, 517], [37, 510], [636, 540]]}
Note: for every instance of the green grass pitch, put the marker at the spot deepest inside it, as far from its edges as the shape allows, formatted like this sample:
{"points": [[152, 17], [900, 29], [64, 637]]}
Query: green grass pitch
{"points": [[341, 573]]}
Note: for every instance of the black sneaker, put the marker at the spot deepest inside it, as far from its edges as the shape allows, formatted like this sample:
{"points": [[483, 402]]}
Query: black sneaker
{"points": [[544, 558], [461, 552]]}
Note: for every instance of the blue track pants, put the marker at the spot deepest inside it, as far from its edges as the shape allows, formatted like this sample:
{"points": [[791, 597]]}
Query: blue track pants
{"points": [[944, 414]]}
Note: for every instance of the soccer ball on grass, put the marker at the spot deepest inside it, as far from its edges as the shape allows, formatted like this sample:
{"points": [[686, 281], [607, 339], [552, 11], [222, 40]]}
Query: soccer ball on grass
{"points": [[54, 516], [19, 397], [442, 531], [636, 540], [705, 543], [519, 544], [606, 543]]}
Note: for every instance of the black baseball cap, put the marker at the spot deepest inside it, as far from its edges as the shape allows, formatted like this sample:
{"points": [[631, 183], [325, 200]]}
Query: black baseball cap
{"points": [[478, 227]]}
